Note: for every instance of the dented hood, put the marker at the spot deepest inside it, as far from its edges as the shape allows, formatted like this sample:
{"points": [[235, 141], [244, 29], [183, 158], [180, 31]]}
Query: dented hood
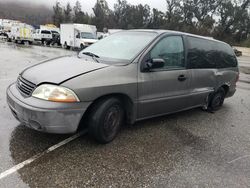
{"points": [[60, 69]]}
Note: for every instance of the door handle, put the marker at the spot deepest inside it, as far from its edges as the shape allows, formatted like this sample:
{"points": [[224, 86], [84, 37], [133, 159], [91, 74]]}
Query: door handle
{"points": [[182, 78]]}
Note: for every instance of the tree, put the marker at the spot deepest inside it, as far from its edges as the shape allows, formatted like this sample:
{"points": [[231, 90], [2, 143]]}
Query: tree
{"points": [[67, 13], [102, 14], [120, 13], [157, 19], [142, 15], [173, 14], [234, 20], [58, 14], [223, 19], [79, 15]]}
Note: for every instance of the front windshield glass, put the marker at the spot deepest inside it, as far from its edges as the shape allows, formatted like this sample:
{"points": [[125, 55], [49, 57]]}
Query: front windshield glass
{"points": [[122, 45], [86, 35]]}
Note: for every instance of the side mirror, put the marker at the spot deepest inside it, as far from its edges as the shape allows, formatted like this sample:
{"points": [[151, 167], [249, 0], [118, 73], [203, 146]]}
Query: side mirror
{"points": [[154, 64]]}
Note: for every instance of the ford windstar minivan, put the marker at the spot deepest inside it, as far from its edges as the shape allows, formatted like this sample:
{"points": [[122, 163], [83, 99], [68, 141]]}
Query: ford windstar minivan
{"points": [[126, 77]]}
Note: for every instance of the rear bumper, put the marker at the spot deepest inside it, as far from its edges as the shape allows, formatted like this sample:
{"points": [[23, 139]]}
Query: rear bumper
{"points": [[45, 116]]}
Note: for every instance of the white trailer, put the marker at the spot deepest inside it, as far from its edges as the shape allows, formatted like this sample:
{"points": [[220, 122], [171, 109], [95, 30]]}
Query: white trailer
{"points": [[22, 33], [78, 35], [5, 27]]}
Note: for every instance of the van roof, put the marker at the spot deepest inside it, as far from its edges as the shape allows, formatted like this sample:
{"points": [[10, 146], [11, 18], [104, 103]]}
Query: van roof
{"points": [[160, 31]]}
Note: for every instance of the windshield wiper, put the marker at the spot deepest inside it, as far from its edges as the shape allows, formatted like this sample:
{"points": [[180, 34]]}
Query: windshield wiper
{"points": [[94, 56], [90, 54]]}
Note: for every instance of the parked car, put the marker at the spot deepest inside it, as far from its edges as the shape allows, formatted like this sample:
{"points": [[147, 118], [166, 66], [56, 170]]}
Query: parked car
{"points": [[43, 36], [237, 52], [126, 77], [78, 35]]}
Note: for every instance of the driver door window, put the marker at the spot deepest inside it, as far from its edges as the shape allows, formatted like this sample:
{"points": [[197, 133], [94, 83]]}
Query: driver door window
{"points": [[171, 50], [78, 35]]}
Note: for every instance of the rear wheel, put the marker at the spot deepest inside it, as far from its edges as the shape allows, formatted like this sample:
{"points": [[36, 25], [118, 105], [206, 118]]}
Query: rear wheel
{"points": [[43, 42], [105, 120], [217, 100]]}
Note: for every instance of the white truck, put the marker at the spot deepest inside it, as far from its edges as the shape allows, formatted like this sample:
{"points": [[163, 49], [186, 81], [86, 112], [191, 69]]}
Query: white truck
{"points": [[21, 32], [78, 35], [5, 27], [42, 35], [47, 34], [55, 31]]}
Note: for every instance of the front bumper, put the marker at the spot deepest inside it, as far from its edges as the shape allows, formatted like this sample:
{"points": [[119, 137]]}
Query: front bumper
{"points": [[45, 116]]}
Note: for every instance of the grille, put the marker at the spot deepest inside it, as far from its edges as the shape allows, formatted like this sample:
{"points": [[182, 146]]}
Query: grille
{"points": [[24, 86]]}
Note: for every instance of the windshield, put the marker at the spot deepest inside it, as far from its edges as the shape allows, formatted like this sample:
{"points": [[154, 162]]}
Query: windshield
{"points": [[85, 35], [122, 45]]}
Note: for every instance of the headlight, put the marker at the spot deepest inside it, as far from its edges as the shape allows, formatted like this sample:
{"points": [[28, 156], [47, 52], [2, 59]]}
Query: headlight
{"points": [[55, 93]]}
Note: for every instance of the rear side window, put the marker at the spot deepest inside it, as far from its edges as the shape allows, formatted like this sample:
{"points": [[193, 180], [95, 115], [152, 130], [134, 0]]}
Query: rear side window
{"points": [[204, 53], [45, 32], [226, 57], [200, 53]]}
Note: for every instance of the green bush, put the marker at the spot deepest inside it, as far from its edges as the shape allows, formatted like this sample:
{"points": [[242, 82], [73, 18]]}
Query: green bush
{"points": [[245, 43]]}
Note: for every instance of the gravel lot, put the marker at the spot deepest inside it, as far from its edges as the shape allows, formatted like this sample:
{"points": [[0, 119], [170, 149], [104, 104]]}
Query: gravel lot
{"points": [[188, 149]]}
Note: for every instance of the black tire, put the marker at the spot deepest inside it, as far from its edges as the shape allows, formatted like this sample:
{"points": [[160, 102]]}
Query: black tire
{"points": [[45, 43], [8, 39], [105, 119], [81, 46], [217, 100], [65, 46]]}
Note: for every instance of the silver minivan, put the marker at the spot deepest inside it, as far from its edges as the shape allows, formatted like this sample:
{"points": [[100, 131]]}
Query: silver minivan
{"points": [[126, 77]]}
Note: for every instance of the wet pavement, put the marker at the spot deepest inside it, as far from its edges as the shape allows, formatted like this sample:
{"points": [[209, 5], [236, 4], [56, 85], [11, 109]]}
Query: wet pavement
{"points": [[188, 149]]}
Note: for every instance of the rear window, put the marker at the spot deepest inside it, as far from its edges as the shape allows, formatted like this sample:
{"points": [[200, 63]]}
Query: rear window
{"points": [[204, 53], [45, 32]]}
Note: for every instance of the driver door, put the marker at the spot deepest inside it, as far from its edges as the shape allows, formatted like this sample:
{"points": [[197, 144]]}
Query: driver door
{"points": [[167, 89]]}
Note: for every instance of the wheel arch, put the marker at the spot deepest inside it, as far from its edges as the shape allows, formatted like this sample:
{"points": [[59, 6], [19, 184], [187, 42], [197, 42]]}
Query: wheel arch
{"points": [[128, 104], [226, 88]]}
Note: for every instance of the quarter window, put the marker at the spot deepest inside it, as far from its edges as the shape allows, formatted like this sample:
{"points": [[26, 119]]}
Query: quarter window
{"points": [[171, 50], [205, 54], [201, 53]]}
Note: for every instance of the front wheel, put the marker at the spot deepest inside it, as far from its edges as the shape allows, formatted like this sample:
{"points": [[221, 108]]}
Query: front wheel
{"points": [[217, 100], [105, 120], [82, 46]]}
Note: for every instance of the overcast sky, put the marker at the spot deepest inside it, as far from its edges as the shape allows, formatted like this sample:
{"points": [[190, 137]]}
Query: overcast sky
{"points": [[87, 5]]}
